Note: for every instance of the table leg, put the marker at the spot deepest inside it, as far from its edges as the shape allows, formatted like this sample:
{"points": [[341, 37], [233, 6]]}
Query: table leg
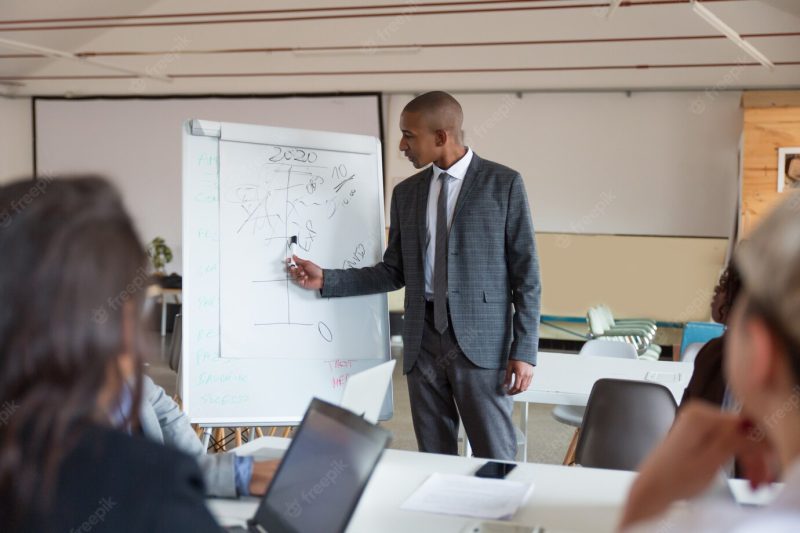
{"points": [[523, 425], [163, 316]]}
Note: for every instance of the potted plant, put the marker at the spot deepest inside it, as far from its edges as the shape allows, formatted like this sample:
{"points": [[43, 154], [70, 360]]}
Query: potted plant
{"points": [[160, 255]]}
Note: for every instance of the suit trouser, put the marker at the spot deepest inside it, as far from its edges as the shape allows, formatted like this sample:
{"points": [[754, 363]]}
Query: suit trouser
{"points": [[445, 383]]}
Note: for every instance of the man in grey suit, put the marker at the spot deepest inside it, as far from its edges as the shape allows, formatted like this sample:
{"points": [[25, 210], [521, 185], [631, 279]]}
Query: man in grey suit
{"points": [[461, 241]]}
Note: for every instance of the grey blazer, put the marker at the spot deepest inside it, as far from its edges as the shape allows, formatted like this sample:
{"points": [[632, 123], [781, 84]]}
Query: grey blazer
{"points": [[163, 421], [492, 265]]}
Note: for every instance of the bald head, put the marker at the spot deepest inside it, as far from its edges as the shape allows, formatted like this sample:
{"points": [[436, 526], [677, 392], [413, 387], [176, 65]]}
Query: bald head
{"points": [[431, 127], [440, 111]]}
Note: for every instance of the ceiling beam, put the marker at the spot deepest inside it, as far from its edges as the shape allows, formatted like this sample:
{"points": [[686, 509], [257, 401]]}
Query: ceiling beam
{"points": [[69, 56]]}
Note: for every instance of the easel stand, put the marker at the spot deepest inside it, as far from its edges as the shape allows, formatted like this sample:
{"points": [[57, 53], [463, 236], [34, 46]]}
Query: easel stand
{"points": [[220, 438]]}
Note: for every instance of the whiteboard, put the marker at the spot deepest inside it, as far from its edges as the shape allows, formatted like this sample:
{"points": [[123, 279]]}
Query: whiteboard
{"points": [[254, 352]]}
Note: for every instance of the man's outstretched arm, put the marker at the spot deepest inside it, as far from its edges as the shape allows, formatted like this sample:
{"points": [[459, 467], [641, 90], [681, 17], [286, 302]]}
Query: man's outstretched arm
{"points": [[386, 276]]}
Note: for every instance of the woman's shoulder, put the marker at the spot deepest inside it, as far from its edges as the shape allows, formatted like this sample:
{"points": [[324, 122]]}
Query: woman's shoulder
{"points": [[127, 483], [133, 455]]}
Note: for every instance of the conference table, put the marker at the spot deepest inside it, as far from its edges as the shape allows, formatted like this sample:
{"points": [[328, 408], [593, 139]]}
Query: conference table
{"points": [[567, 379], [563, 499]]}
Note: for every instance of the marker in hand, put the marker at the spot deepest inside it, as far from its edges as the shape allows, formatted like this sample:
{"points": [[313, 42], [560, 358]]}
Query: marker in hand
{"points": [[293, 251], [304, 272]]}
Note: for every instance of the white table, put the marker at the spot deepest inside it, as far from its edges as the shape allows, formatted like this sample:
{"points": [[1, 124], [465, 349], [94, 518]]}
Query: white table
{"points": [[157, 291], [563, 499], [567, 379]]}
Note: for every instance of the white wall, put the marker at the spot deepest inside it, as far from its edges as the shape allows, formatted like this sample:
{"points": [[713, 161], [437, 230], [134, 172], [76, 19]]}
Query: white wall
{"points": [[137, 143], [584, 157], [652, 163], [16, 138]]}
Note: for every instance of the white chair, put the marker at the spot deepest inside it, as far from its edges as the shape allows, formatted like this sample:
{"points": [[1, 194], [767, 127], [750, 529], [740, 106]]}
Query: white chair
{"points": [[572, 415], [641, 335], [643, 323], [691, 351]]}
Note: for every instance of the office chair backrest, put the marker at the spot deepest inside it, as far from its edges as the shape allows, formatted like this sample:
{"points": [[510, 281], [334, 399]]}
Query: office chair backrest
{"points": [[624, 421], [601, 348]]}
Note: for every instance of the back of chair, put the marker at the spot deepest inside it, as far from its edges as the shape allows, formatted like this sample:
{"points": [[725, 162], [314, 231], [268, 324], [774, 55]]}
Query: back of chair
{"points": [[596, 321], [624, 421], [605, 311], [700, 332], [601, 348]]}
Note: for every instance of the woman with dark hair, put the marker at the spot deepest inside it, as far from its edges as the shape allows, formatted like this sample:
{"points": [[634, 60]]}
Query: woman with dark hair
{"points": [[708, 379], [71, 291]]}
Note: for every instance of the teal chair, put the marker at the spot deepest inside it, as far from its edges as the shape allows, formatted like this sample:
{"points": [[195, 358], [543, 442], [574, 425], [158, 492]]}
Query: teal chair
{"points": [[700, 332]]}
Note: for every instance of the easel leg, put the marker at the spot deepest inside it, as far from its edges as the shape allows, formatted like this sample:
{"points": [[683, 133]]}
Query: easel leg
{"points": [[219, 436]]}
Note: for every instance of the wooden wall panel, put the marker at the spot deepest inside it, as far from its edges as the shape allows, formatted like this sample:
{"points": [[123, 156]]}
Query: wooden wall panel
{"points": [[765, 130]]}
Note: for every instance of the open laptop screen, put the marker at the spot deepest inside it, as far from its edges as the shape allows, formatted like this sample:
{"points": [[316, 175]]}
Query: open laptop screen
{"points": [[323, 473]]}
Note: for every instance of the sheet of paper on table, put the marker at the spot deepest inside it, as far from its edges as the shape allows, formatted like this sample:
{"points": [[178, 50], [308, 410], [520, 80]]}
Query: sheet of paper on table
{"points": [[494, 499]]}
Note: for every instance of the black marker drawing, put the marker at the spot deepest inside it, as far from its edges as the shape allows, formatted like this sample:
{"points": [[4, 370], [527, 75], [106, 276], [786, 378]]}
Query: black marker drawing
{"points": [[285, 205]]}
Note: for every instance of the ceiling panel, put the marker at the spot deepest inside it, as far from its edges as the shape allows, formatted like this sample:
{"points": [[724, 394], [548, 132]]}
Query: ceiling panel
{"points": [[571, 47]]}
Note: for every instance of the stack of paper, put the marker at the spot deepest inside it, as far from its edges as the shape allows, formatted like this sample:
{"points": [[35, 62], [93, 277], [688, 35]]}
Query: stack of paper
{"points": [[495, 499]]}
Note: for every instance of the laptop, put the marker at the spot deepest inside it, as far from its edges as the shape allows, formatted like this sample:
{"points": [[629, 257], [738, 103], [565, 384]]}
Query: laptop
{"points": [[322, 475], [365, 392]]}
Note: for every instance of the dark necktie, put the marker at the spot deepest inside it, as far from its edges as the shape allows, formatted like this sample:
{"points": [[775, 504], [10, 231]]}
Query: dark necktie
{"points": [[440, 259]]}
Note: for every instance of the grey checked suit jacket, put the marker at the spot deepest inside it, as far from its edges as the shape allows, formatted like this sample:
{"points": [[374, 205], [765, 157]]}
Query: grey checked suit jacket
{"points": [[492, 264]]}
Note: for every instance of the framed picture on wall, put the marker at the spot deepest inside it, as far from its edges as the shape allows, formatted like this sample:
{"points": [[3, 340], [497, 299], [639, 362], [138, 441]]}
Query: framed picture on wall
{"points": [[788, 168]]}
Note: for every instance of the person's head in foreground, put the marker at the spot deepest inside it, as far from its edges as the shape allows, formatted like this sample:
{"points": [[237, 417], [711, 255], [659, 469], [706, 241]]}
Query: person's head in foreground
{"points": [[69, 312], [430, 125], [762, 366]]}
